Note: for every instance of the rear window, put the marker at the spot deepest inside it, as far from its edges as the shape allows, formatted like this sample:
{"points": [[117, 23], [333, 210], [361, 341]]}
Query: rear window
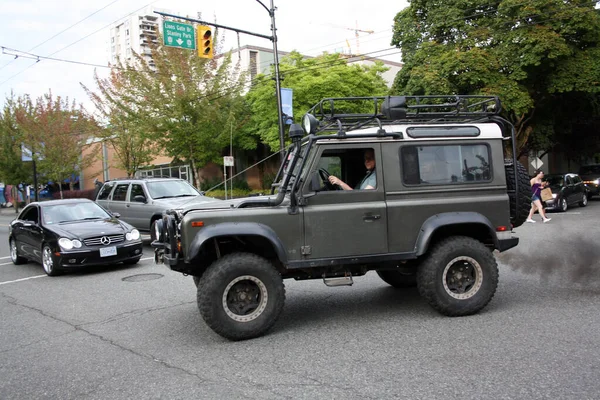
{"points": [[445, 164]]}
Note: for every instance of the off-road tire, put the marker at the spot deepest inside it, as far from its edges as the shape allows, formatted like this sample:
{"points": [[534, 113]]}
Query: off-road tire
{"points": [[448, 256], [583, 201], [219, 281], [14, 253], [400, 278], [518, 216]]}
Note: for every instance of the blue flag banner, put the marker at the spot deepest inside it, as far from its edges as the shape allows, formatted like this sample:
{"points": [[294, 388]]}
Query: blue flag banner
{"points": [[287, 106]]}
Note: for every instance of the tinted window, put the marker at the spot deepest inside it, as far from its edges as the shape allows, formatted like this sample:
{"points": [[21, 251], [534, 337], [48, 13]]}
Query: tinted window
{"points": [[136, 190], [447, 131], [569, 180], [555, 180], [31, 214], [445, 164], [105, 191], [120, 193], [576, 179]]}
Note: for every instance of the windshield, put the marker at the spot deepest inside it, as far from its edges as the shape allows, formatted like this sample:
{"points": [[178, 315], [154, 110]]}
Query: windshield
{"points": [[590, 170], [555, 180], [169, 189], [55, 214]]}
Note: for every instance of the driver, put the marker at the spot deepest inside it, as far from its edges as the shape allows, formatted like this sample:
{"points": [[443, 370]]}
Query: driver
{"points": [[370, 179]]}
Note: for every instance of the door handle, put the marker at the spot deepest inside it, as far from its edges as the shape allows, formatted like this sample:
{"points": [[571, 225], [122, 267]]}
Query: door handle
{"points": [[370, 217]]}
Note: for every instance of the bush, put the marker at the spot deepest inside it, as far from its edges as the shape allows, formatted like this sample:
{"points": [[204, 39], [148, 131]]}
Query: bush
{"points": [[237, 193], [75, 194]]}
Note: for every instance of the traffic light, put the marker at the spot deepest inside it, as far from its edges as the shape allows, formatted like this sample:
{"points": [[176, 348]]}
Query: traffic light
{"points": [[205, 41]]}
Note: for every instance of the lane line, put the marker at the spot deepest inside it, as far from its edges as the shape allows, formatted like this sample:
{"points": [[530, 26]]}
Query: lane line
{"points": [[10, 263], [2, 258], [147, 258], [23, 279]]}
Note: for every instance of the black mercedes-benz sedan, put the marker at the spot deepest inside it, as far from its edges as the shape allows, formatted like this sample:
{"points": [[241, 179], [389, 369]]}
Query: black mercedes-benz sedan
{"points": [[65, 234]]}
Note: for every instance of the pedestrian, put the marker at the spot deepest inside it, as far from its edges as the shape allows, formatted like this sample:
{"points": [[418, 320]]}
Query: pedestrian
{"points": [[536, 199]]}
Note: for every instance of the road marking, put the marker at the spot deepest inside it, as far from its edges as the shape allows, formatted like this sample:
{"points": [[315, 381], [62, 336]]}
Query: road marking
{"points": [[23, 279], [2, 258], [147, 258], [10, 263]]}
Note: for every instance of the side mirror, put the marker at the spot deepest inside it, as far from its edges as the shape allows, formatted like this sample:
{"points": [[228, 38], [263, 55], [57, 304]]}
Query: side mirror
{"points": [[139, 198], [116, 215]]}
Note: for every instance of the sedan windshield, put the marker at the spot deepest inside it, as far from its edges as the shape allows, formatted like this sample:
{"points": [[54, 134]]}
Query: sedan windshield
{"points": [[555, 180], [57, 213], [169, 189]]}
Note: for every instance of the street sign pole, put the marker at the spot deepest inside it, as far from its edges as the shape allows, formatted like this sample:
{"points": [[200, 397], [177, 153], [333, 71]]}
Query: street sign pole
{"points": [[272, 38], [277, 83]]}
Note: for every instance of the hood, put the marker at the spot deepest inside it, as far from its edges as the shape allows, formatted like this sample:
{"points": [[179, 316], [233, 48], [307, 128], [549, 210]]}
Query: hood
{"points": [[226, 204], [84, 229]]}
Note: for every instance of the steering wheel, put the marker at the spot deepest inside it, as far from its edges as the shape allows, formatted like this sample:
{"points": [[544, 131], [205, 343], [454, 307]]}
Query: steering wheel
{"points": [[325, 178]]}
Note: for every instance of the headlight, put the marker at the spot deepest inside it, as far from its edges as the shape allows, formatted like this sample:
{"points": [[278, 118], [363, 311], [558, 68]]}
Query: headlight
{"points": [[133, 235], [597, 182], [68, 244], [553, 195]]}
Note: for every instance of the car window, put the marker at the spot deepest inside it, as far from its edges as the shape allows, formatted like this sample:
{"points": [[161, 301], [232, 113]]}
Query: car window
{"points": [[105, 191], [120, 193], [171, 188], [576, 179], [136, 190], [445, 164], [31, 214], [569, 180], [555, 180]]}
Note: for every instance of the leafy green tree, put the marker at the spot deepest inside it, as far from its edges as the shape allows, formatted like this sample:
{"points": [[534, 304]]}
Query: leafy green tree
{"points": [[13, 170], [175, 104], [311, 80], [533, 54], [57, 132]]}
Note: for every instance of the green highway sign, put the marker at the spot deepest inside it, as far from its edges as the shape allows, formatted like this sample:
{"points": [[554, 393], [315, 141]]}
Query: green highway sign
{"points": [[176, 34]]}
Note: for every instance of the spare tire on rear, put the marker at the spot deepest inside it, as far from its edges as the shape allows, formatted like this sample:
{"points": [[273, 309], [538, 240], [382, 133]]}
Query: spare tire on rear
{"points": [[519, 210]]}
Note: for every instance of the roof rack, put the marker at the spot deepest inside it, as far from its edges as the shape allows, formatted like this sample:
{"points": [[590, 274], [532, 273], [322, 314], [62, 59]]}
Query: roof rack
{"points": [[350, 113]]}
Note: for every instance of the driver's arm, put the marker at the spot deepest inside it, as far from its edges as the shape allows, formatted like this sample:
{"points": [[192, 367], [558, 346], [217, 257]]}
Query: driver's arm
{"points": [[337, 181]]}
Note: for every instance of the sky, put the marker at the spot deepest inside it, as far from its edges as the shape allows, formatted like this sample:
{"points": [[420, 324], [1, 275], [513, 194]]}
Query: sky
{"points": [[78, 31]]}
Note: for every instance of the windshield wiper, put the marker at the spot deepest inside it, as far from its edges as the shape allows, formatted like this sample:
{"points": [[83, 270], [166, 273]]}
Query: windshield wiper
{"points": [[170, 197]]}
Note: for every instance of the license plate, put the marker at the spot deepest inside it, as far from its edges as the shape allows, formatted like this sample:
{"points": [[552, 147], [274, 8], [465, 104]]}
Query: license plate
{"points": [[108, 251]]}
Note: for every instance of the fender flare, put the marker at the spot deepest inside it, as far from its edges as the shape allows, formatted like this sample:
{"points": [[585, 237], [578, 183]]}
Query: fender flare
{"points": [[437, 221], [234, 229]]}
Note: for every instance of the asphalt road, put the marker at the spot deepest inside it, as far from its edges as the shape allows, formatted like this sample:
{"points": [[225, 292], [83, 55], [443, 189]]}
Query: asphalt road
{"points": [[135, 332]]}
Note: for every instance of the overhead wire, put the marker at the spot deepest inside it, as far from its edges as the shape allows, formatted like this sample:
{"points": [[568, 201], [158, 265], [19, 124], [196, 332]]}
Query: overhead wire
{"points": [[77, 41]]}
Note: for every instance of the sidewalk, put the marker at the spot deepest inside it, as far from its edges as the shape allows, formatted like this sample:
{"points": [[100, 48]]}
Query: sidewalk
{"points": [[10, 211]]}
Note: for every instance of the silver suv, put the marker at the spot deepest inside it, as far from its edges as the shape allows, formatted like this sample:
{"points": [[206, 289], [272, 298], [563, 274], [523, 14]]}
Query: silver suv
{"points": [[140, 202]]}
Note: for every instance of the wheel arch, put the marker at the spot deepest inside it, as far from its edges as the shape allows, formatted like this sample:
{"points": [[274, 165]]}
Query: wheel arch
{"points": [[260, 235], [443, 225]]}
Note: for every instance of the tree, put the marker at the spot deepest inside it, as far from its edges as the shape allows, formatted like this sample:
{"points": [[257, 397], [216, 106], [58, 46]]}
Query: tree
{"points": [[13, 170], [56, 132], [311, 80], [534, 55], [175, 104]]}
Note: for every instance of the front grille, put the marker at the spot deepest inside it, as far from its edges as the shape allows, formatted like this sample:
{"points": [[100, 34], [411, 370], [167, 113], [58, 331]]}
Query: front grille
{"points": [[97, 241]]}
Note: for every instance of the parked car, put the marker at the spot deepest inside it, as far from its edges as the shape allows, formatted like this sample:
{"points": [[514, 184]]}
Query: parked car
{"points": [[591, 177], [567, 190], [140, 202], [66, 234]]}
